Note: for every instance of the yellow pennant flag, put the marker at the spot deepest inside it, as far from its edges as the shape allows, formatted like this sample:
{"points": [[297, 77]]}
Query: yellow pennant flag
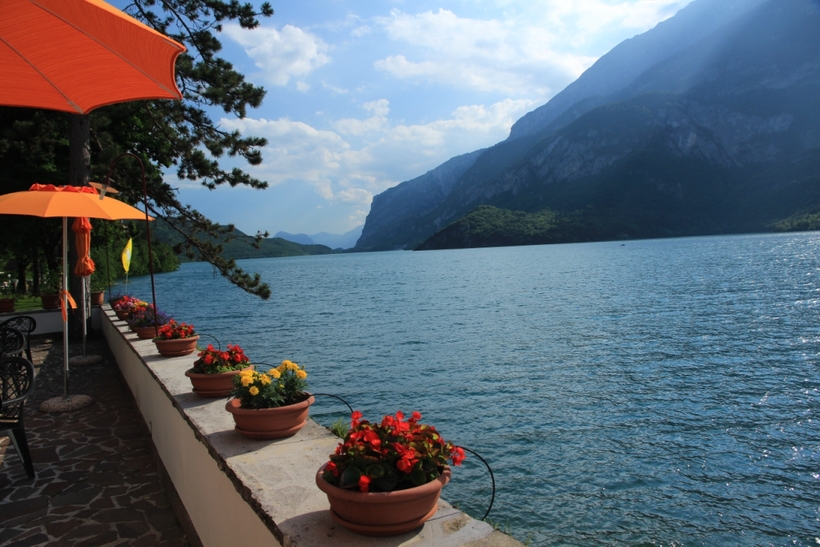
{"points": [[126, 256]]}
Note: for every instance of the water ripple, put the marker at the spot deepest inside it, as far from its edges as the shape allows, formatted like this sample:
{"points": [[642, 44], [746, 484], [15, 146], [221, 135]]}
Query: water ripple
{"points": [[662, 393]]}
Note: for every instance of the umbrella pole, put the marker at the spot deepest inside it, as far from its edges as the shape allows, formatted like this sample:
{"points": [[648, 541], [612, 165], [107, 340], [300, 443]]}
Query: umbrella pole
{"points": [[64, 297], [85, 312], [66, 402]]}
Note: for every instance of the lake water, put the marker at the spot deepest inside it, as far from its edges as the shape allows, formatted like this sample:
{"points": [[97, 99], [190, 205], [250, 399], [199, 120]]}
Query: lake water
{"points": [[661, 392]]}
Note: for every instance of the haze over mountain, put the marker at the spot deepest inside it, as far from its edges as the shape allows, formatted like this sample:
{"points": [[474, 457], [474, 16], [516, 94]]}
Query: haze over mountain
{"points": [[708, 123], [334, 241]]}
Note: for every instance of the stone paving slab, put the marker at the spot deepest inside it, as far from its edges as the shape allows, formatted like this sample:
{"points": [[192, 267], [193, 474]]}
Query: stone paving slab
{"points": [[96, 482]]}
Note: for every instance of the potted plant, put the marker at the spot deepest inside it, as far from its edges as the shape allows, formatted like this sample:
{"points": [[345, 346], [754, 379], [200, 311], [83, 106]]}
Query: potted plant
{"points": [[145, 322], [385, 479], [6, 297], [176, 339], [213, 371], [97, 290], [50, 290], [125, 306], [272, 404]]}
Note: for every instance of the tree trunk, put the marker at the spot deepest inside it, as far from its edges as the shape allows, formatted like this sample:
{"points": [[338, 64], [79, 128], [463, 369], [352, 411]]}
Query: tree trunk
{"points": [[79, 173], [35, 271], [22, 266]]}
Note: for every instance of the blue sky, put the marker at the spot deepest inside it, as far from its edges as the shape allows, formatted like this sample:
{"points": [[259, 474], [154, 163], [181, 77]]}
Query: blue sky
{"points": [[365, 94]]}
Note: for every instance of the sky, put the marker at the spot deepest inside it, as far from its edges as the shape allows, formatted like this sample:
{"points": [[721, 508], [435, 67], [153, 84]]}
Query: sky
{"points": [[365, 94]]}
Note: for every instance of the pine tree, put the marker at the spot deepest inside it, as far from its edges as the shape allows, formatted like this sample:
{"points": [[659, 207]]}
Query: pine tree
{"points": [[167, 136]]}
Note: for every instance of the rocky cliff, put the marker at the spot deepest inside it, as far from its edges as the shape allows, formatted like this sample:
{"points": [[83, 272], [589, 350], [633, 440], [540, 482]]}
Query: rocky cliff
{"points": [[677, 151]]}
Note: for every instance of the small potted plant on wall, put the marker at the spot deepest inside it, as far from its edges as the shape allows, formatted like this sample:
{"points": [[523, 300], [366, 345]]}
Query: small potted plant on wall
{"points": [[213, 371], [98, 287], [272, 404], [125, 306], [176, 339], [50, 290], [145, 322], [6, 298], [385, 478]]}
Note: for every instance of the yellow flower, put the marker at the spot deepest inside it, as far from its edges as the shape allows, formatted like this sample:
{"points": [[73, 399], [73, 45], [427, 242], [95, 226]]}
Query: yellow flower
{"points": [[254, 390], [293, 366], [265, 380], [275, 374], [246, 380], [301, 374]]}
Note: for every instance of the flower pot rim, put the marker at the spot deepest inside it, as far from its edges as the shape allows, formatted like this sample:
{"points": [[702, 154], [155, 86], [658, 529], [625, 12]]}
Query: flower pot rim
{"points": [[160, 339], [191, 374], [295, 406], [380, 497]]}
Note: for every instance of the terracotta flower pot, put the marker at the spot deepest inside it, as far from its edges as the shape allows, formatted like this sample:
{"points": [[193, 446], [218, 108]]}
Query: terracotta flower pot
{"points": [[177, 347], [6, 305], [270, 423], [122, 315], [145, 333], [211, 385], [97, 298], [50, 301], [383, 513]]}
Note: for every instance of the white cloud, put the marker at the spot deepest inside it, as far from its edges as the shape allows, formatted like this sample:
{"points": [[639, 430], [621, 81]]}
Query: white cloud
{"points": [[333, 88], [536, 50], [363, 30], [359, 157], [281, 54]]}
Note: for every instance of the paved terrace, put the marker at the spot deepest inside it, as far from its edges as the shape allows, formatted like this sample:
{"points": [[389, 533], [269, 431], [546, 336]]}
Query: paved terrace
{"points": [[96, 483]]}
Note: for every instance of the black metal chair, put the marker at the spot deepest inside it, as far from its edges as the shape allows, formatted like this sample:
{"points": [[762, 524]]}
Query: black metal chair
{"points": [[24, 324], [16, 383], [12, 342]]}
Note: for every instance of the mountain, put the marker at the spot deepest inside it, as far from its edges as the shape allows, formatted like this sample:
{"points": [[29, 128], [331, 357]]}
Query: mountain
{"points": [[241, 246], [393, 217], [720, 136], [301, 239], [334, 241], [629, 59]]}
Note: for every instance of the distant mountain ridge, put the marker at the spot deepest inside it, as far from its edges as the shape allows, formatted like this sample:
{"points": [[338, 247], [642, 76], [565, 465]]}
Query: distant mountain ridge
{"points": [[680, 149], [334, 241], [241, 246]]}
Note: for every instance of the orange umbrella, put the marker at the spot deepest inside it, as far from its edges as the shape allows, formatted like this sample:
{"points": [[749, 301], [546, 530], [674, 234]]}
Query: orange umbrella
{"points": [[82, 240], [47, 200], [78, 55]]}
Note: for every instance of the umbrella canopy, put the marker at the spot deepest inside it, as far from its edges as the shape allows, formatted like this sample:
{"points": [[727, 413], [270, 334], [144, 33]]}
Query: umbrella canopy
{"points": [[78, 55], [47, 200]]}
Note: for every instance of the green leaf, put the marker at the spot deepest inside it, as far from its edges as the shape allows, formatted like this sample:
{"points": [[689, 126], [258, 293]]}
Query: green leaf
{"points": [[375, 471], [349, 477], [418, 477]]}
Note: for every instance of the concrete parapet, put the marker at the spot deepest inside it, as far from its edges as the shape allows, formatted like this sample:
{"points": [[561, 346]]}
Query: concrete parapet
{"points": [[260, 491]]}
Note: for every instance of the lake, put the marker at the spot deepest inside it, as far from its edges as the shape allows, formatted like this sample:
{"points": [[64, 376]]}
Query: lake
{"points": [[657, 392]]}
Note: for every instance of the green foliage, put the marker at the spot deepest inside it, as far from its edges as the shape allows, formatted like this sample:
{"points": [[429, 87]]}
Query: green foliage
{"points": [[339, 428], [164, 135], [241, 246], [488, 226], [108, 239], [52, 282], [800, 222]]}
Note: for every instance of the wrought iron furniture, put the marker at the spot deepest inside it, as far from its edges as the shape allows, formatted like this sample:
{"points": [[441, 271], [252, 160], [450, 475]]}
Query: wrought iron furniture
{"points": [[12, 342], [16, 383], [24, 324]]}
